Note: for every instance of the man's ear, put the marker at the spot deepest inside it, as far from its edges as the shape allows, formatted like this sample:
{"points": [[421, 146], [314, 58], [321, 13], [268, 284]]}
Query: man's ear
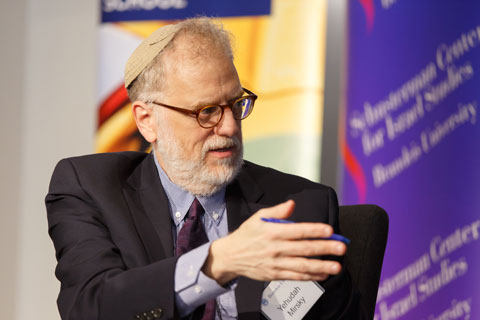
{"points": [[145, 120]]}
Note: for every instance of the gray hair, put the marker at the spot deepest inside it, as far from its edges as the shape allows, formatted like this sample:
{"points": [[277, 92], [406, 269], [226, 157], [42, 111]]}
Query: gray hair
{"points": [[197, 37]]}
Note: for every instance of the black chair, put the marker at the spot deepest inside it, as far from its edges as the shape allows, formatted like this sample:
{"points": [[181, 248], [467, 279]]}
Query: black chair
{"points": [[367, 228]]}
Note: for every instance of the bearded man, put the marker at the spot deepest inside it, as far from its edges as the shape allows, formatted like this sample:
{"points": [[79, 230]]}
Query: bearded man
{"points": [[181, 232]]}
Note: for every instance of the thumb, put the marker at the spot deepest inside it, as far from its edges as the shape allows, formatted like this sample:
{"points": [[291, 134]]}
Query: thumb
{"points": [[280, 211]]}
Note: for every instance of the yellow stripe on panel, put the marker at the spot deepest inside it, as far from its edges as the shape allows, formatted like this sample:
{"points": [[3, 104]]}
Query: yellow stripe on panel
{"points": [[282, 58], [141, 28], [118, 132]]}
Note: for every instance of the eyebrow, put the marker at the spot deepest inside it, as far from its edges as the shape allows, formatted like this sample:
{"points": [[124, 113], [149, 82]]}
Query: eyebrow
{"points": [[203, 104]]}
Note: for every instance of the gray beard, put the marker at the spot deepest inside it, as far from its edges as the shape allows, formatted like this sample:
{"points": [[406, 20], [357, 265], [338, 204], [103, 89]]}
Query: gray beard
{"points": [[193, 175]]}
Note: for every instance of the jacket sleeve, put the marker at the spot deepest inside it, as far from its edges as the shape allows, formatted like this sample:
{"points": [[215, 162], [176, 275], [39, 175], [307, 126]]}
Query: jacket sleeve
{"points": [[95, 281]]}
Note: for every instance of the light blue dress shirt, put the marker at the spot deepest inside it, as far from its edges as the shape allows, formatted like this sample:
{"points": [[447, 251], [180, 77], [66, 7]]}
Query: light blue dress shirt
{"points": [[192, 286]]}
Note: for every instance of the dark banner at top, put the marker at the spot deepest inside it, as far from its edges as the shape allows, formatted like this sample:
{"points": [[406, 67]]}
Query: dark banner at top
{"points": [[133, 10]]}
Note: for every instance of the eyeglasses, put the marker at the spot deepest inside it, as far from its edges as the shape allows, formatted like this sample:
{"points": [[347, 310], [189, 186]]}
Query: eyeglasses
{"points": [[209, 116]]}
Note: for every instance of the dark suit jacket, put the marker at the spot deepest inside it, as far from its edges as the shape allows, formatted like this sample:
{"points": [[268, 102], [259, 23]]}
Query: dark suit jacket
{"points": [[109, 220]]}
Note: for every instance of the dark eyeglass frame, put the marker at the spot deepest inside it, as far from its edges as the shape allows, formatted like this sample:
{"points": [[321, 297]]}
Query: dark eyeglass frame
{"points": [[196, 113]]}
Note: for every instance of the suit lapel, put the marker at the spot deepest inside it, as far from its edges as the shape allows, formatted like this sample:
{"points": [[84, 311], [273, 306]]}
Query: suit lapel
{"points": [[242, 198], [149, 209]]}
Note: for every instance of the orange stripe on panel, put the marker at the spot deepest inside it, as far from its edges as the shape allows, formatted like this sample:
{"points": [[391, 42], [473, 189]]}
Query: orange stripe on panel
{"points": [[112, 104]]}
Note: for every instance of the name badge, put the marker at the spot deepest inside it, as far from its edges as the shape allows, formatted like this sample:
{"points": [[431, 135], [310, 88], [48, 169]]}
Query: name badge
{"points": [[289, 300]]}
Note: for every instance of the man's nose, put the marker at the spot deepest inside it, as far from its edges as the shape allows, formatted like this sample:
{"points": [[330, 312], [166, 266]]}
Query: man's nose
{"points": [[227, 126]]}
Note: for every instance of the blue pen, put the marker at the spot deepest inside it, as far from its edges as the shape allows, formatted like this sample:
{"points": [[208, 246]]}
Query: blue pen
{"points": [[334, 236]]}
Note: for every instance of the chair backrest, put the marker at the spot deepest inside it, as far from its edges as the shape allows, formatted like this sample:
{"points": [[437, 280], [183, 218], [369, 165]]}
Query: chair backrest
{"points": [[367, 228]]}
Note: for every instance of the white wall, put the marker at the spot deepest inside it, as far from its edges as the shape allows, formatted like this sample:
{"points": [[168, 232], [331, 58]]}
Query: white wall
{"points": [[11, 93], [334, 84], [47, 86]]}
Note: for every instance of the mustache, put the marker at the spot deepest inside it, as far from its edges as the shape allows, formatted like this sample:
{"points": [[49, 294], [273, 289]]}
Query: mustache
{"points": [[216, 142]]}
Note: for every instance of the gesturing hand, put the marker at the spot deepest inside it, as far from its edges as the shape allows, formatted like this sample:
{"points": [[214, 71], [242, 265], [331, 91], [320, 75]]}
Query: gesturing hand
{"points": [[274, 251]]}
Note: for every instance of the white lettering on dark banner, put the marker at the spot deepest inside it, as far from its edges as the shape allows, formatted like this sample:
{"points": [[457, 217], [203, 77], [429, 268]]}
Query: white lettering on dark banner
{"points": [[410, 110], [127, 5], [446, 54], [459, 310], [439, 248], [427, 286], [428, 275]]}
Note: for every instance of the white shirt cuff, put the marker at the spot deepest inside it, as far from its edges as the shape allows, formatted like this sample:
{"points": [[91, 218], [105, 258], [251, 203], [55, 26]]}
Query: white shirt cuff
{"points": [[192, 287]]}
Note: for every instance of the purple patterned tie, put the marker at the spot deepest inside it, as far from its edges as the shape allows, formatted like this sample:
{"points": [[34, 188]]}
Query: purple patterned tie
{"points": [[193, 235]]}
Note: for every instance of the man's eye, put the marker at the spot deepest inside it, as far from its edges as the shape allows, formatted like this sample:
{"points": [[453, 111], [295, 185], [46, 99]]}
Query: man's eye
{"points": [[209, 111]]}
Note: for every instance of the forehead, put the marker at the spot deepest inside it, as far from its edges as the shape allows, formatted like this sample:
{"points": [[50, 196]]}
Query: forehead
{"points": [[201, 80]]}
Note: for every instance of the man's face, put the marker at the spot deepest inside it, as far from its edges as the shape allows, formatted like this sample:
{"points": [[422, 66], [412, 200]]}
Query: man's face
{"points": [[197, 159]]}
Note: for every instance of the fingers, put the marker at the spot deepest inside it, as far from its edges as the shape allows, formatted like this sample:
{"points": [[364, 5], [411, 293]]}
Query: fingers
{"points": [[293, 230], [302, 230], [293, 275], [310, 248], [280, 211], [310, 266], [274, 251], [303, 269]]}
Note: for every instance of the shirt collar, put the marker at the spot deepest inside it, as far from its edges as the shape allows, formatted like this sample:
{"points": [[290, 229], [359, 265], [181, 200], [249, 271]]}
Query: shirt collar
{"points": [[180, 200]]}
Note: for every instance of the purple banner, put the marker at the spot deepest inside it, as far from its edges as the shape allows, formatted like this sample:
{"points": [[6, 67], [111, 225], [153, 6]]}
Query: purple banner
{"points": [[412, 145]]}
